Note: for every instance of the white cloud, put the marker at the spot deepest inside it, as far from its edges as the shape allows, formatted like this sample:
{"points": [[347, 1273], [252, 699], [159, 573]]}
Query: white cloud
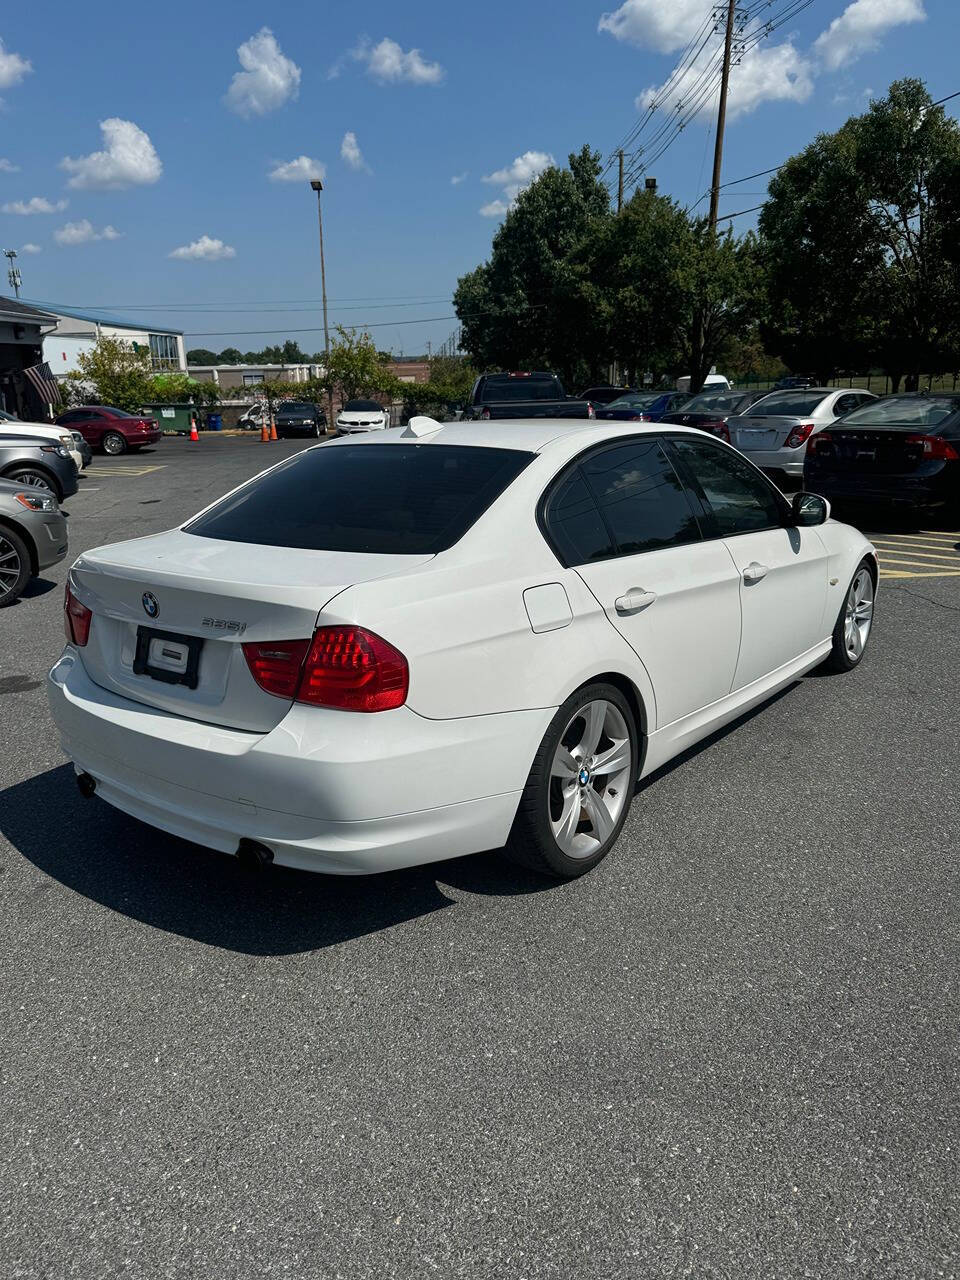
{"points": [[351, 153], [514, 177], [83, 232], [459, 177], [495, 209], [36, 204], [302, 169], [13, 68], [30, 248], [268, 79], [652, 24], [7, 166], [765, 73], [205, 249], [127, 160], [389, 63], [859, 28]]}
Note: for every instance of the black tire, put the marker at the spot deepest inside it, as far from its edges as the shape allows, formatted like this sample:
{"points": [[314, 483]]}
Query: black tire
{"points": [[36, 478], [15, 567], [113, 444], [841, 658], [532, 843]]}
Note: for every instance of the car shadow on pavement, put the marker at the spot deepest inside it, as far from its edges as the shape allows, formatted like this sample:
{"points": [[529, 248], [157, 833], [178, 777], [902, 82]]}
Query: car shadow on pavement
{"points": [[171, 884], [37, 587]]}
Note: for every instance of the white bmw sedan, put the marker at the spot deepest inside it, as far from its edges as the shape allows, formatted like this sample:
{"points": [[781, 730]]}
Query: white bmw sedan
{"points": [[359, 416], [444, 639]]}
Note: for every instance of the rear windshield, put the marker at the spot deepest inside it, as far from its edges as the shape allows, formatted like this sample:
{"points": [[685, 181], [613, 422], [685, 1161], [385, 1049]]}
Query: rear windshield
{"points": [[711, 401], [787, 404], [520, 389], [920, 411], [632, 402], [413, 499], [358, 406]]}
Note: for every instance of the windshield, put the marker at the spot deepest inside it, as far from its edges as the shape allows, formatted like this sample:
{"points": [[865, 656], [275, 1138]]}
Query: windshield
{"points": [[362, 406], [787, 404], [295, 406], [520, 389], [632, 402], [908, 411], [387, 499]]}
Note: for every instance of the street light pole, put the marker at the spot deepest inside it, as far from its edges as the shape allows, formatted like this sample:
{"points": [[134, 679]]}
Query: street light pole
{"points": [[317, 185]]}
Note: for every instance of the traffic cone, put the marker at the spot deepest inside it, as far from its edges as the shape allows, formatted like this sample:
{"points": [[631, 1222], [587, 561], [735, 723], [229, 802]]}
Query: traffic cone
{"points": [[194, 433], [264, 432], [273, 429]]}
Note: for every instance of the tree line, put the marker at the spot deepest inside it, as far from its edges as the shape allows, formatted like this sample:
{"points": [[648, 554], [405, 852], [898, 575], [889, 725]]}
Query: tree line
{"points": [[854, 266]]}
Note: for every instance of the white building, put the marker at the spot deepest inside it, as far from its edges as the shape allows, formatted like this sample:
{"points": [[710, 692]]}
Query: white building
{"points": [[78, 331]]}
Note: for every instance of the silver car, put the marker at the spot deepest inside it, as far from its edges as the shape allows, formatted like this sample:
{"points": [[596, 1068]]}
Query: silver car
{"points": [[33, 536], [774, 431]]}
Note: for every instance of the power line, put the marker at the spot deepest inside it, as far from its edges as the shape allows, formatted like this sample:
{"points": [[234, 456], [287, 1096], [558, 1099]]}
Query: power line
{"points": [[381, 324]]}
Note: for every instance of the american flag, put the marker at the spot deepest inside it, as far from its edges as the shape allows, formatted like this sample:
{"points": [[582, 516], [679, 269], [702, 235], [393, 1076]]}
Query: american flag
{"points": [[44, 383]]}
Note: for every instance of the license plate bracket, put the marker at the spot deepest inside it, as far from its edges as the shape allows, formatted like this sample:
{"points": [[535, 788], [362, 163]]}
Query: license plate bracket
{"points": [[181, 653]]}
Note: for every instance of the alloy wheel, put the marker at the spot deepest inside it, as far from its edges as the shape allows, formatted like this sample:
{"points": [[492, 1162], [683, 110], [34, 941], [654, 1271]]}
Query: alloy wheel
{"points": [[11, 566], [591, 773], [113, 443], [32, 480], [858, 614]]}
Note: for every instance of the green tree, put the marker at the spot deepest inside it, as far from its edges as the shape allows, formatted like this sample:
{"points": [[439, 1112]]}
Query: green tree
{"points": [[861, 242], [115, 373], [200, 355], [519, 309], [720, 285], [355, 367]]}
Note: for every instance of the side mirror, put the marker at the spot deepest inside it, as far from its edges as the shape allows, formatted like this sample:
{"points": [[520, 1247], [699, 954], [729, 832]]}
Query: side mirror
{"points": [[809, 509]]}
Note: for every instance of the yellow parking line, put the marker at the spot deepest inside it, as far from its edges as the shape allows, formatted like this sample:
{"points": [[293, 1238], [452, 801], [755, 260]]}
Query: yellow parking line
{"points": [[941, 533], [129, 471], [917, 551], [903, 573], [921, 564]]}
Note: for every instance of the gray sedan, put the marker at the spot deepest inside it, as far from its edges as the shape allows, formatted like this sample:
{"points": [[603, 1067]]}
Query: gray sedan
{"points": [[33, 536], [774, 432]]}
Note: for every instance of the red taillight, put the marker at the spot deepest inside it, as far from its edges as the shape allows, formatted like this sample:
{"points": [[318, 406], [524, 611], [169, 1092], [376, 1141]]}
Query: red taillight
{"points": [[484, 415], [276, 664], [355, 670], [798, 435], [591, 411], [343, 667], [717, 428], [820, 443], [76, 619], [934, 448]]}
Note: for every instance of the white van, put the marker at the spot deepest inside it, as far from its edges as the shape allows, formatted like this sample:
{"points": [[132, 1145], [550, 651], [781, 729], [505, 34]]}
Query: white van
{"points": [[712, 382]]}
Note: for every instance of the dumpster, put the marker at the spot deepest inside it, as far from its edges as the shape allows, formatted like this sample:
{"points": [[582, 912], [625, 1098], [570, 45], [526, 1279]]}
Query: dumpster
{"points": [[174, 419], [214, 421]]}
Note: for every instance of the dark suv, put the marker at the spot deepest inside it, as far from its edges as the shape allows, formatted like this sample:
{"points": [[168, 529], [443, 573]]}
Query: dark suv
{"points": [[112, 430], [299, 418]]}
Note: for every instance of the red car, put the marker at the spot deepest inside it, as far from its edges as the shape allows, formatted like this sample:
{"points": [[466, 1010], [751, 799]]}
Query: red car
{"points": [[111, 430]]}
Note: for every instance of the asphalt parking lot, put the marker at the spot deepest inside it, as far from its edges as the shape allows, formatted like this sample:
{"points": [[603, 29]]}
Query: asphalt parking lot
{"points": [[731, 1051]]}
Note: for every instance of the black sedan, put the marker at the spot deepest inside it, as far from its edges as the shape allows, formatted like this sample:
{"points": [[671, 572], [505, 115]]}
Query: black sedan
{"points": [[709, 410], [642, 406], [38, 464], [604, 394], [901, 449], [299, 418]]}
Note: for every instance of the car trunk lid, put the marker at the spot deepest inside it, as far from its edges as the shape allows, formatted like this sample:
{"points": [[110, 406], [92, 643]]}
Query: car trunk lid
{"points": [[763, 432], [174, 600], [886, 450]]}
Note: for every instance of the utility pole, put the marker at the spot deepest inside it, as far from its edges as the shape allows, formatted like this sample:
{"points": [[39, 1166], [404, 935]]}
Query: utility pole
{"points": [[318, 187], [13, 275], [721, 115], [620, 180]]}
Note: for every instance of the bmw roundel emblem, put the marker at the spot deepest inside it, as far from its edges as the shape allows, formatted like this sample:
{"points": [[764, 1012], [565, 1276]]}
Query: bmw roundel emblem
{"points": [[151, 605], [584, 777]]}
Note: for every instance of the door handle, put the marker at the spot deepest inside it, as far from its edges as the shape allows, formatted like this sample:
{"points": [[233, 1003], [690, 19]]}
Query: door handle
{"points": [[635, 600], [754, 572]]}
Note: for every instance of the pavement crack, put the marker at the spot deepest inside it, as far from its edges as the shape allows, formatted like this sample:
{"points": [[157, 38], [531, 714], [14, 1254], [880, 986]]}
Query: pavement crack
{"points": [[951, 608]]}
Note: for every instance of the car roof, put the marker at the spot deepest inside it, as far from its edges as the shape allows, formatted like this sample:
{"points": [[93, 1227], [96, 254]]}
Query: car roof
{"points": [[530, 435]]}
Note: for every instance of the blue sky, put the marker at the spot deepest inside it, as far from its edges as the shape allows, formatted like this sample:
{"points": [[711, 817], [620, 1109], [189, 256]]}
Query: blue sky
{"points": [[394, 102]]}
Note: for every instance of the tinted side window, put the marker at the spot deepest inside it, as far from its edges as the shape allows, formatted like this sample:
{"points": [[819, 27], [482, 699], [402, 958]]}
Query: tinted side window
{"points": [[641, 498], [740, 500], [845, 403], [575, 524]]}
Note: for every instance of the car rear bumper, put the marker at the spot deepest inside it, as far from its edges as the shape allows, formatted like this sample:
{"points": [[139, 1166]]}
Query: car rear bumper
{"points": [[788, 461], [144, 437], [285, 429], [901, 490], [360, 793]]}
